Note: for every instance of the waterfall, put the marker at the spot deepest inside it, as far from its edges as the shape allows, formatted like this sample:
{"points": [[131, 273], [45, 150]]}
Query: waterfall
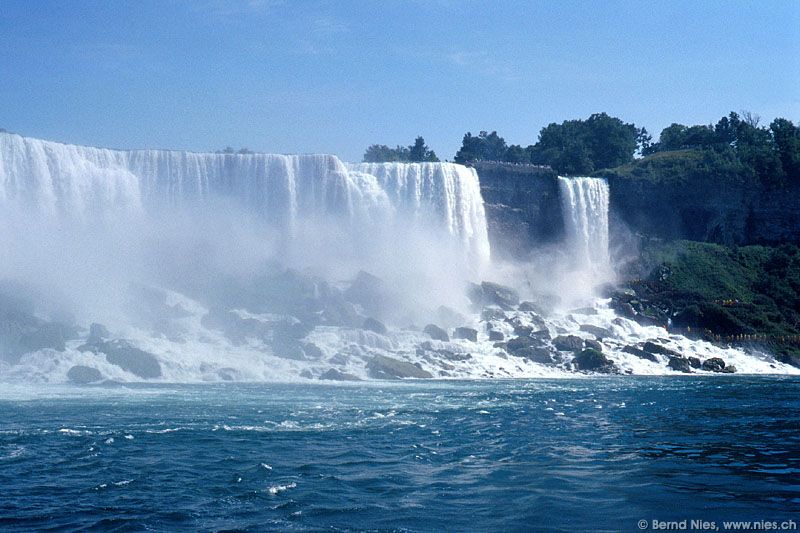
{"points": [[60, 180], [585, 206]]}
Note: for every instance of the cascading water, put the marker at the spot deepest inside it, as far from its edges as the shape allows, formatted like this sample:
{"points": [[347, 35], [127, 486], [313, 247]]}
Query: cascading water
{"points": [[584, 203], [79, 182]]}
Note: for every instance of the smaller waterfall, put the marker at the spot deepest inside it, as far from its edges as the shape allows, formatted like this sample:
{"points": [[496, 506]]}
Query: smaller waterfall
{"points": [[585, 206]]}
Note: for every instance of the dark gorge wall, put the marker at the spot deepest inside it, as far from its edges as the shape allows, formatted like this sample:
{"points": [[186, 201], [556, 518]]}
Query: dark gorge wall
{"points": [[724, 213], [523, 206]]}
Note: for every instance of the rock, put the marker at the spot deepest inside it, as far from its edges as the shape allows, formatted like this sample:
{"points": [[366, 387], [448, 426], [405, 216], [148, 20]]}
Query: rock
{"points": [[588, 311], [654, 348], [98, 332], [537, 354], [495, 335], [466, 333], [625, 309], [436, 333], [311, 351], [48, 335], [376, 326], [681, 364], [335, 375], [594, 361], [449, 317], [594, 345], [532, 307], [641, 354], [730, 369], [523, 331], [715, 364], [130, 358], [597, 331], [488, 293], [622, 295], [382, 367], [541, 335], [518, 343], [694, 362], [83, 375], [368, 291], [568, 343], [493, 313]]}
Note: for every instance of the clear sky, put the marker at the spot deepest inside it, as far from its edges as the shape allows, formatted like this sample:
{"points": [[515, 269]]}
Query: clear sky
{"points": [[335, 76]]}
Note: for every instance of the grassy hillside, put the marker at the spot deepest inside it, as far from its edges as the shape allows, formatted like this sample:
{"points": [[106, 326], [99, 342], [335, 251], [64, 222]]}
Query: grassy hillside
{"points": [[750, 292]]}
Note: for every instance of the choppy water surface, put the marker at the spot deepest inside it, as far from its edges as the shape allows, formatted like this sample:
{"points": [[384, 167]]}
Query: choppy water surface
{"points": [[598, 453]]}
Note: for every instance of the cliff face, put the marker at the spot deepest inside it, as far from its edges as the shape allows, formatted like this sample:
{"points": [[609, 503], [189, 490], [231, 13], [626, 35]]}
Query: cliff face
{"points": [[523, 207], [719, 213], [673, 196]]}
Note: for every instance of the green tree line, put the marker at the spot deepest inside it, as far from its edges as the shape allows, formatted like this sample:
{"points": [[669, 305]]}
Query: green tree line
{"points": [[770, 155]]}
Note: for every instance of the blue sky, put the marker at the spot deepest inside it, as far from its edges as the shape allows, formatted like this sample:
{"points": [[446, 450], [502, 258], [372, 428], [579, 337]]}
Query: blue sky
{"points": [[336, 76]]}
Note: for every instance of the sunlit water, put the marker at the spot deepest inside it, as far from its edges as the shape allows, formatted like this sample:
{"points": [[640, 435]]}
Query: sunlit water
{"points": [[569, 455]]}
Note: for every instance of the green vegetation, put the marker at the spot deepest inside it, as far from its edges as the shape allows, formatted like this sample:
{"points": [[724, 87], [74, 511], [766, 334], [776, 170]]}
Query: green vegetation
{"points": [[415, 153], [751, 292], [572, 147], [734, 151], [230, 150]]}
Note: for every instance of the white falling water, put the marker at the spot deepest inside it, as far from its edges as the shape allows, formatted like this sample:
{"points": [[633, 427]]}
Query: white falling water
{"points": [[85, 183], [584, 203]]}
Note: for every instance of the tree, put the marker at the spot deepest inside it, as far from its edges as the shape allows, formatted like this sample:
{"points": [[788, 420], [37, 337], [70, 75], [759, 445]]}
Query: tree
{"points": [[787, 141], [583, 146], [417, 152], [484, 147]]}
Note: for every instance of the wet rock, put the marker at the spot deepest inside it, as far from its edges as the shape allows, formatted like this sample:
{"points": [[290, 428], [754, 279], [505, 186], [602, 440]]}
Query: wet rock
{"points": [[541, 335], [382, 367], [654, 348], [368, 291], [714, 364], [594, 361], [449, 317], [306, 374], [641, 354], [519, 343], [489, 293], [287, 348], [680, 364], [625, 309], [493, 313], [228, 374], [495, 335], [729, 369], [376, 326], [531, 307], [436, 333], [335, 375], [523, 331], [597, 331], [233, 326], [466, 333], [83, 375], [589, 343], [694, 362], [622, 294], [97, 332], [537, 354], [587, 311], [128, 357], [568, 343]]}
